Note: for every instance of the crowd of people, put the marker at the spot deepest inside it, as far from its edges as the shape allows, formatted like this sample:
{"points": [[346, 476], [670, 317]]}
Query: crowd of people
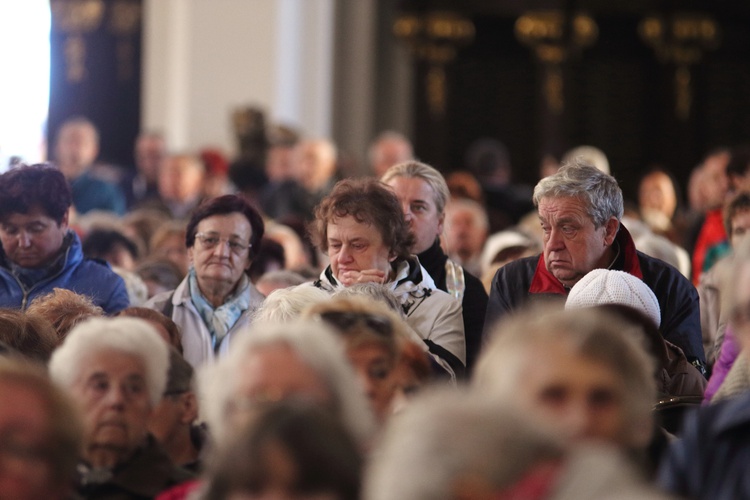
{"points": [[189, 329]]}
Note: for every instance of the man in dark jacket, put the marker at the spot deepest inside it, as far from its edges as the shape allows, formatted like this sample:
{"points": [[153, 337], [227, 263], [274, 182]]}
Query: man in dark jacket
{"points": [[39, 252], [580, 209], [423, 194]]}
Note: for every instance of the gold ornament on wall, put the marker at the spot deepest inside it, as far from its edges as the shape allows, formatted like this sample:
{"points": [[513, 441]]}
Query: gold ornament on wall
{"points": [[75, 18], [435, 37], [681, 39], [125, 23], [554, 37]]}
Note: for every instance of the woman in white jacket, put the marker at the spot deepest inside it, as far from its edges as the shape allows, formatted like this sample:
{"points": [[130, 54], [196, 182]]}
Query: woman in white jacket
{"points": [[216, 298], [361, 227]]}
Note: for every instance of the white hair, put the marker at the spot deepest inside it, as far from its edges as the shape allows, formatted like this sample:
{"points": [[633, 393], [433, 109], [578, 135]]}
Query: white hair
{"points": [[599, 192], [286, 304], [317, 346], [132, 336], [445, 436]]}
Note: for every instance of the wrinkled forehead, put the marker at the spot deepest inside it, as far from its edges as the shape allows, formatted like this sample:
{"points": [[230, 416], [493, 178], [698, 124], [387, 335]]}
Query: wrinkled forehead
{"points": [[564, 205]]}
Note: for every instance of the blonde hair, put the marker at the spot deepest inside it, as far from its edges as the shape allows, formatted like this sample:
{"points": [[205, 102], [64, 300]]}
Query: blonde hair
{"points": [[591, 333]]}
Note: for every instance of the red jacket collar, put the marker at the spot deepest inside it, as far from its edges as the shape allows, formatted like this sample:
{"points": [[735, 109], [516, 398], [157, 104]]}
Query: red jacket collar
{"points": [[544, 282]]}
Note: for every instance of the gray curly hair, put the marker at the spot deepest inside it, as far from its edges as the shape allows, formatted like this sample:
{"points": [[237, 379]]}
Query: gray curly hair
{"points": [[579, 179]]}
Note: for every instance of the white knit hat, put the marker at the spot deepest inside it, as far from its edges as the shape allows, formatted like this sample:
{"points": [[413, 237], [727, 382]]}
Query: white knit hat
{"points": [[602, 286]]}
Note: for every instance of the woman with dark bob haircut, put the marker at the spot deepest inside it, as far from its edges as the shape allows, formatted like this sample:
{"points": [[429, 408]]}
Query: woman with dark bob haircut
{"points": [[216, 298], [361, 227]]}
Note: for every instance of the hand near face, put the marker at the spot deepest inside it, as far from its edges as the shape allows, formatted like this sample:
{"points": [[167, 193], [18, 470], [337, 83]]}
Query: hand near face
{"points": [[348, 278], [357, 252]]}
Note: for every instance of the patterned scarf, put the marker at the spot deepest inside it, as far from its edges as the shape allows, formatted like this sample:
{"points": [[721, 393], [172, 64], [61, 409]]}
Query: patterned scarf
{"points": [[220, 320]]}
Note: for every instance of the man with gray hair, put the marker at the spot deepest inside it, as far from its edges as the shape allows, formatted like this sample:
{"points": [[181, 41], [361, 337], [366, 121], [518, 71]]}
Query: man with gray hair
{"points": [[580, 209]]}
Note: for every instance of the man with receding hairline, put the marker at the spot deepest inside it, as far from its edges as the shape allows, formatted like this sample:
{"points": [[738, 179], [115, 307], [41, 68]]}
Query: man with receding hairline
{"points": [[580, 209]]}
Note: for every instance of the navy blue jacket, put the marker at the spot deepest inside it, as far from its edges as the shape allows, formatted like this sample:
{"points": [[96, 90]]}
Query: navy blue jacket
{"points": [[710, 460], [518, 282], [88, 277]]}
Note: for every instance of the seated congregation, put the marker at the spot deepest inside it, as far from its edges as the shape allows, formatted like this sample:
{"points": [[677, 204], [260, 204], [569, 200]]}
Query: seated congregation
{"points": [[346, 351]]}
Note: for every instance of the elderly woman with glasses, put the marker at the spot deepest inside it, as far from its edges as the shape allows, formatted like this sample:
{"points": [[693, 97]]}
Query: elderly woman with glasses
{"points": [[216, 298]]}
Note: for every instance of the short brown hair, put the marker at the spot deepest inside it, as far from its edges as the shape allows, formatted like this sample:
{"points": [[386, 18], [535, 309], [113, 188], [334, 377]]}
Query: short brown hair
{"points": [[32, 336], [64, 309], [370, 202]]}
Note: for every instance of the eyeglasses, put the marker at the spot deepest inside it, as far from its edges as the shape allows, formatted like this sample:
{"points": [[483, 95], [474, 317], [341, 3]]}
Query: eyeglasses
{"points": [[344, 320], [209, 242]]}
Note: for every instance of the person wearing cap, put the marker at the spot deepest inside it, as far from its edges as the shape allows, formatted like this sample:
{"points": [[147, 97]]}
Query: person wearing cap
{"points": [[580, 209], [632, 301]]}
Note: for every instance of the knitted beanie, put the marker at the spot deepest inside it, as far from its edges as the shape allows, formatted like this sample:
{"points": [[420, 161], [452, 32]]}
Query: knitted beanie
{"points": [[603, 286]]}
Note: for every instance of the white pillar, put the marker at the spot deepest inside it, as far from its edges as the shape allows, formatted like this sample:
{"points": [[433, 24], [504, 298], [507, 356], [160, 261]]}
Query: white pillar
{"points": [[205, 58]]}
